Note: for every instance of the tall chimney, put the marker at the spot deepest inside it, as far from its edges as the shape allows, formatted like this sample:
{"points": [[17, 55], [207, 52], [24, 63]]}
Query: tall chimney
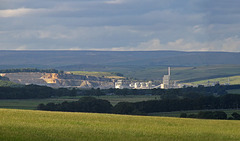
{"points": [[169, 71]]}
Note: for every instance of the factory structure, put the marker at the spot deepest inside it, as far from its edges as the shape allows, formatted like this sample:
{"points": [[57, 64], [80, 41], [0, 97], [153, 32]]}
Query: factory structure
{"points": [[166, 80], [122, 84], [166, 83]]}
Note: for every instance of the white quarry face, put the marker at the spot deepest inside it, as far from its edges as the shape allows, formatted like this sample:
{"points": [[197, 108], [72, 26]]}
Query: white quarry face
{"points": [[56, 80]]}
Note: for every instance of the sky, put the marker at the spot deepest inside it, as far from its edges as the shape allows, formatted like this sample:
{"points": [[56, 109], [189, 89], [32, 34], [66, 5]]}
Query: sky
{"points": [[120, 25]]}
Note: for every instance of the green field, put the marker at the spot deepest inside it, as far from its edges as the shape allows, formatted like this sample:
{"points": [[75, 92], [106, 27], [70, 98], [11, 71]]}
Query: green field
{"points": [[29, 103], [4, 83], [128, 98], [234, 91], [97, 74], [233, 80], [22, 125], [187, 74], [32, 103]]}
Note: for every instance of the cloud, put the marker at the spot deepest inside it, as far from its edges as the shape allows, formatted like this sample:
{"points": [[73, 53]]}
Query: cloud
{"points": [[120, 24], [53, 11], [231, 44], [23, 47], [115, 1], [15, 12], [51, 35], [198, 29]]}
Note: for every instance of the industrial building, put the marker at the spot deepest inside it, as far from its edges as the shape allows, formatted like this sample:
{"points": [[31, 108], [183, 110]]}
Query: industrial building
{"points": [[166, 83], [166, 80], [121, 84]]}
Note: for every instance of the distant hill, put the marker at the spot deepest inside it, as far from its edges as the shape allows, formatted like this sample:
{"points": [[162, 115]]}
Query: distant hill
{"points": [[103, 58], [149, 65]]}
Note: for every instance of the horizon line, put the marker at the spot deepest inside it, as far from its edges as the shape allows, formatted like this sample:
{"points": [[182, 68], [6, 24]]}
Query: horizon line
{"points": [[113, 50]]}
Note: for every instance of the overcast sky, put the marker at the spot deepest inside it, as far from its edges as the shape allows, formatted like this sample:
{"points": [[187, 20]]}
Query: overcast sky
{"points": [[185, 25]]}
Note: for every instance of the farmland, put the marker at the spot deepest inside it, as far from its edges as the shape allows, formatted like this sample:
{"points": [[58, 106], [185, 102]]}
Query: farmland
{"points": [[97, 74], [234, 91], [39, 125], [233, 80], [28, 103], [149, 65], [185, 74], [197, 75]]}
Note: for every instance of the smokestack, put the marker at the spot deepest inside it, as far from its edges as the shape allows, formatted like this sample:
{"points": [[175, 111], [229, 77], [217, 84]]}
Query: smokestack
{"points": [[169, 71]]}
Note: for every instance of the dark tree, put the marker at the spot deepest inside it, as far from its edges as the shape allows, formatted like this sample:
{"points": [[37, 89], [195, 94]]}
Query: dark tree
{"points": [[124, 108], [183, 115], [192, 116], [84, 104], [219, 115], [236, 116]]}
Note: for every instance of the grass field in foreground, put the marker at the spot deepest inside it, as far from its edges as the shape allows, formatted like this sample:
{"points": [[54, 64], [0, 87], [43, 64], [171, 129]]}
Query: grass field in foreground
{"points": [[30, 125]]}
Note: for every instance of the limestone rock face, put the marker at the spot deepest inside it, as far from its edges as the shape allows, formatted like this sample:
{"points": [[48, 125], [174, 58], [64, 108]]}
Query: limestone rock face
{"points": [[60, 80]]}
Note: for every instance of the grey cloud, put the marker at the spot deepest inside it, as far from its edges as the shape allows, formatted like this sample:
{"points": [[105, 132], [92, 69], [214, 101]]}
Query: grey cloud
{"points": [[88, 24]]}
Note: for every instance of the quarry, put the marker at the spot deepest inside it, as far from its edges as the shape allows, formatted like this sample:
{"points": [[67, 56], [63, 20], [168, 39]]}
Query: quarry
{"points": [[69, 79], [59, 80]]}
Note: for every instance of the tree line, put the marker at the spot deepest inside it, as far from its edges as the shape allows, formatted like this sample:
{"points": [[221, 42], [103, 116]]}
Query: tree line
{"points": [[84, 104], [211, 115], [188, 92], [35, 91], [228, 101], [30, 70], [90, 104]]}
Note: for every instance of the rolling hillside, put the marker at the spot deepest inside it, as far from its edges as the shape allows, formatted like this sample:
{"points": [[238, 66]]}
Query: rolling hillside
{"points": [[116, 58], [149, 65], [38, 125], [233, 80], [184, 74]]}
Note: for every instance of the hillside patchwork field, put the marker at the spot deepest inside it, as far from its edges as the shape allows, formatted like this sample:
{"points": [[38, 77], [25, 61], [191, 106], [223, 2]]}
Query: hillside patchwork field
{"points": [[98, 74], [185, 74], [233, 80], [143, 65], [40, 125]]}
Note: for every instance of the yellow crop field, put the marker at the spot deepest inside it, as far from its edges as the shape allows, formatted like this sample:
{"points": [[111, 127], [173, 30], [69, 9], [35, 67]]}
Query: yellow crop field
{"points": [[28, 125]]}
